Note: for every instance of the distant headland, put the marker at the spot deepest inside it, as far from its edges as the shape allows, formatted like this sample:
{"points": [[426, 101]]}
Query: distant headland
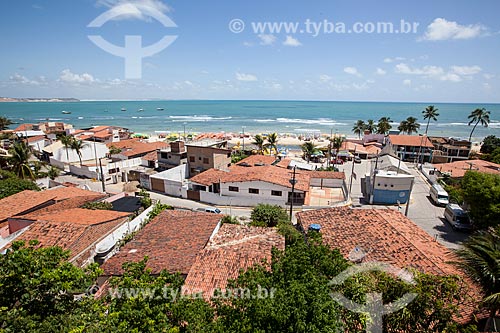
{"points": [[34, 99]]}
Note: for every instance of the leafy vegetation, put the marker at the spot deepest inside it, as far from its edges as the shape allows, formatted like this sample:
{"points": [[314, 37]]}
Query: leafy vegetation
{"points": [[99, 205], [384, 125], [237, 156], [228, 219], [4, 123], [478, 116], [265, 215], [146, 201], [482, 193], [430, 113], [409, 126], [10, 184], [359, 128], [490, 143], [309, 149]]}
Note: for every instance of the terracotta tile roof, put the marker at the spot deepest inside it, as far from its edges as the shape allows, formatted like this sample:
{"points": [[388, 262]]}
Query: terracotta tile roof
{"points": [[410, 140], [99, 129], [237, 173], [24, 201], [459, 168], [24, 127], [36, 138], [103, 134], [232, 249], [76, 216], [71, 192], [152, 156], [171, 241], [325, 174], [284, 163], [257, 159], [69, 203], [133, 147], [387, 236]]}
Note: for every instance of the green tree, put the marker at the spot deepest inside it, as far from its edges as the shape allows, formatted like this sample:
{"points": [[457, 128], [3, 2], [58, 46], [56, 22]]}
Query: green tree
{"points": [[114, 150], [359, 128], [308, 148], [66, 140], [77, 146], [258, 140], [13, 185], [478, 116], [481, 191], [430, 113], [4, 123], [384, 125], [370, 126], [480, 259], [19, 160], [490, 143], [336, 143], [265, 215], [98, 205], [53, 172], [494, 156], [272, 143]]}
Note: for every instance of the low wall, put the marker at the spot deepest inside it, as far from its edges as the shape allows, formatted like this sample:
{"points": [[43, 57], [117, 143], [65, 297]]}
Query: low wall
{"points": [[216, 199]]}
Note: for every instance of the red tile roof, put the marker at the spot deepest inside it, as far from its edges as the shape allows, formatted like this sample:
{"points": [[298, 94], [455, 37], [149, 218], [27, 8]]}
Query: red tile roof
{"points": [[133, 147], [77, 216], [258, 159], [36, 138], [171, 241], [24, 127], [411, 140], [284, 163], [325, 174], [459, 168], [152, 156], [232, 249]]}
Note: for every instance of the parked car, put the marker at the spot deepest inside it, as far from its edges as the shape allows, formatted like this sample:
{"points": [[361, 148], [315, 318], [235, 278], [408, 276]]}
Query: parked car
{"points": [[357, 159], [213, 210], [457, 217]]}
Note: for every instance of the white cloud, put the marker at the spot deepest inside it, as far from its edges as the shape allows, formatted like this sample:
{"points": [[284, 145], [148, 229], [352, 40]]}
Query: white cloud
{"points": [[488, 76], [68, 77], [18, 78], [267, 39], [245, 77], [450, 77], [133, 9], [389, 60], [352, 71], [290, 41], [380, 71], [403, 68], [441, 29], [407, 83], [466, 70], [325, 78]]}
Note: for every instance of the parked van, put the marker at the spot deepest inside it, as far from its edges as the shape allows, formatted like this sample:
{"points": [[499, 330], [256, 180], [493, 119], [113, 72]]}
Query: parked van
{"points": [[439, 195], [457, 217], [209, 210]]}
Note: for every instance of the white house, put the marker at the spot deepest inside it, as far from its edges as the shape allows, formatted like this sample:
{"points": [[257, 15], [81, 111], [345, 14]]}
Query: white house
{"points": [[58, 154]]}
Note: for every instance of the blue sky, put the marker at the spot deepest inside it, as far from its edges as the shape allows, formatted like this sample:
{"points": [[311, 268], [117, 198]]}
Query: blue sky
{"points": [[450, 57]]}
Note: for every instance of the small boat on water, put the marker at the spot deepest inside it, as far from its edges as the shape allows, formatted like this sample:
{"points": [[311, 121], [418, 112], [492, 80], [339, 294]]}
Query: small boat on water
{"points": [[140, 110], [160, 109], [65, 112], [123, 109]]}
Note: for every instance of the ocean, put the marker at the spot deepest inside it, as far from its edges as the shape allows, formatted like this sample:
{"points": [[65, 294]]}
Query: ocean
{"points": [[298, 117]]}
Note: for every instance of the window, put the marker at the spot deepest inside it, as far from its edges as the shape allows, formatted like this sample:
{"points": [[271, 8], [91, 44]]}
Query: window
{"points": [[191, 159], [234, 189], [205, 160], [276, 193], [253, 190], [199, 158]]}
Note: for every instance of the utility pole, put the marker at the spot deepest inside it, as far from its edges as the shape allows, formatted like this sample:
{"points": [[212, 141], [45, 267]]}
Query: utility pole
{"points": [[352, 172], [102, 176], [243, 130], [330, 148], [409, 197], [373, 185], [293, 181], [95, 155]]}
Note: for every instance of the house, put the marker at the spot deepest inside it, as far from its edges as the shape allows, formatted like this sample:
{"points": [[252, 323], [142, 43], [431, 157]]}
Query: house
{"points": [[450, 149], [171, 240], [458, 169], [387, 236], [77, 230], [253, 181], [234, 248], [59, 155], [105, 134], [204, 155], [174, 156], [170, 181], [135, 148], [37, 142], [411, 147]]}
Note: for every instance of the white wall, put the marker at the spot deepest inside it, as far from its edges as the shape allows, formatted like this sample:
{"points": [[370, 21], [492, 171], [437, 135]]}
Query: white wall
{"points": [[87, 153], [333, 183], [89, 172], [216, 199]]}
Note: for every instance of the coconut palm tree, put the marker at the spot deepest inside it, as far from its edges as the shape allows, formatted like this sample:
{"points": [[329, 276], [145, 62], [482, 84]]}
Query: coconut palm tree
{"points": [[384, 125], [359, 128], [409, 126], [336, 143], [480, 260], [430, 113], [77, 146], [370, 126], [308, 148], [4, 123], [272, 142], [19, 160], [53, 172], [258, 140], [479, 116], [66, 140]]}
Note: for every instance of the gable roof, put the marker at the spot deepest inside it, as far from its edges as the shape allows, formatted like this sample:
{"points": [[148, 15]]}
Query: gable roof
{"points": [[458, 169], [233, 248], [133, 147], [79, 216], [252, 160], [411, 140], [171, 241]]}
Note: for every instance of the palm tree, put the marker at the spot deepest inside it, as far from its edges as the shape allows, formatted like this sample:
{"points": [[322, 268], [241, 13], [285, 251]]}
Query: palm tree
{"points": [[77, 146], [359, 127], [479, 116], [53, 172], [409, 126], [430, 113], [272, 142], [370, 126], [308, 148], [336, 143], [19, 160], [4, 123], [258, 140], [480, 260], [384, 125], [66, 140], [403, 126]]}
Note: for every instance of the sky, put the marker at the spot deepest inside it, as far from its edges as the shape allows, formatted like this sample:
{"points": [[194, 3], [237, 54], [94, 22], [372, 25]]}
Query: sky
{"points": [[444, 51]]}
